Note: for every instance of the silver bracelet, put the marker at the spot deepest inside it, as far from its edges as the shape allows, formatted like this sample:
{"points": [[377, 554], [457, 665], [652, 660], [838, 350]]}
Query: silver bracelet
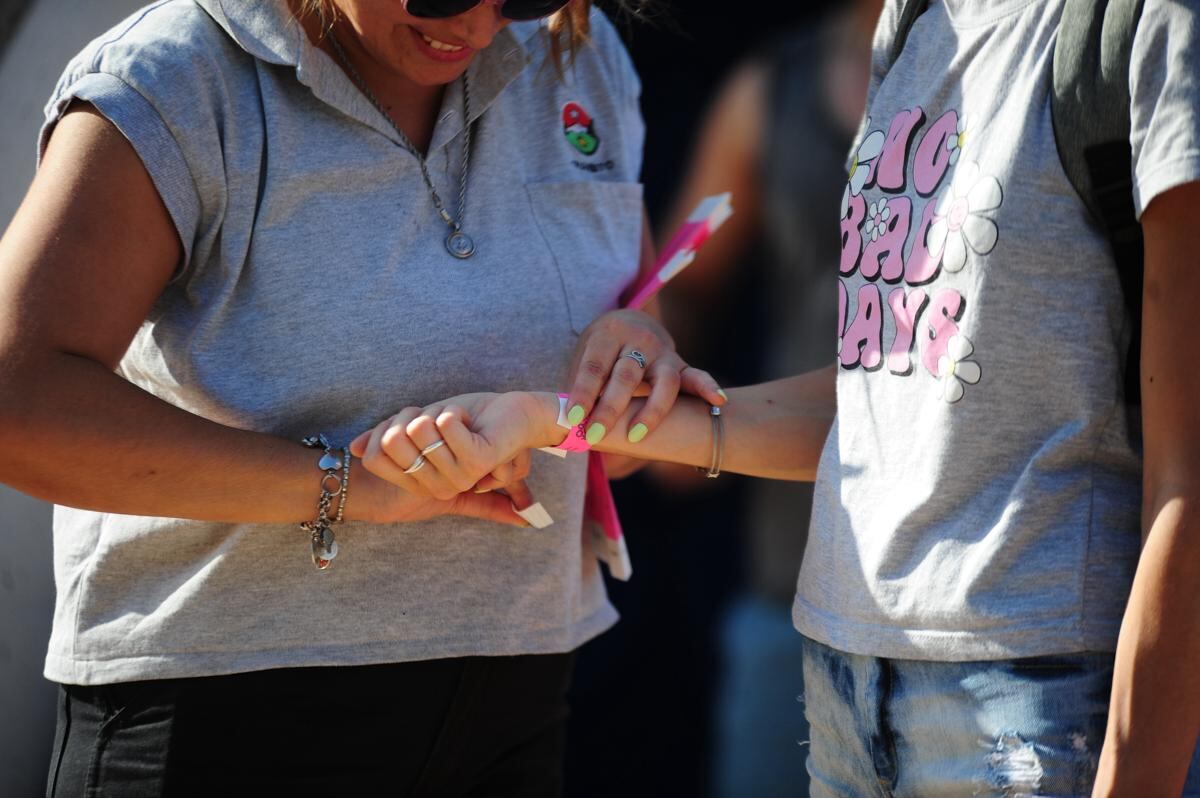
{"points": [[324, 544], [718, 447]]}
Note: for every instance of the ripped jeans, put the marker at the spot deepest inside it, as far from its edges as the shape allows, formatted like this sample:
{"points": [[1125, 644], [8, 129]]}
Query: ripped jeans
{"points": [[909, 729]]}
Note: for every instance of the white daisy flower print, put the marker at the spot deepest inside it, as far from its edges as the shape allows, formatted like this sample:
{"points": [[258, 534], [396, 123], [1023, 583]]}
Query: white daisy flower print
{"points": [[956, 143], [860, 167], [959, 224], [877, 219], [955, 371]]}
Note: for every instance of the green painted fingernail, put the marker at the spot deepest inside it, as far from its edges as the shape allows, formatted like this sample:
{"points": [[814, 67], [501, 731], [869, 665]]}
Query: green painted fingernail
{"points": [[638, 433], [595, 434], [723, 395], [576, 415]]}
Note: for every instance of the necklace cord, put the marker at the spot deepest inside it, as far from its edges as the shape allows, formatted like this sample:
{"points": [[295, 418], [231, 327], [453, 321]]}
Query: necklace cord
{"points": [[454, 224]]}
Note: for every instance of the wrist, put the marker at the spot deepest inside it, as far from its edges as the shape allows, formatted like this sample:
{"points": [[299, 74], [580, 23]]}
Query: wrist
{"points": [[371, 494], [542, 407]]}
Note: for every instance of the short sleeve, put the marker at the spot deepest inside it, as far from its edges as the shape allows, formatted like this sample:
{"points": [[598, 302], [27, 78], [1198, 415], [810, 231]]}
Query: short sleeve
{"points": [[155, 77], [882, 42], [1164, 82], [140, 123]]}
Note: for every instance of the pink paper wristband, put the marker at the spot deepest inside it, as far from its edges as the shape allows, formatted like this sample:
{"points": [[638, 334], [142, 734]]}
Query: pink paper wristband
{"points": [[576, 440]]}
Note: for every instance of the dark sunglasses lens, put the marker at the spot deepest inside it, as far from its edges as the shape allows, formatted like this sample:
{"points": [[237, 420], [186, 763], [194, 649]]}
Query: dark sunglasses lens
{"points": [[438, 9], [520, 10], [517, 10]]}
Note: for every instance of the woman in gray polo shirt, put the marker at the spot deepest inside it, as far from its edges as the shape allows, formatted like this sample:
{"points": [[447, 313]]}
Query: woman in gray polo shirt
{"points": [[272, 221]]}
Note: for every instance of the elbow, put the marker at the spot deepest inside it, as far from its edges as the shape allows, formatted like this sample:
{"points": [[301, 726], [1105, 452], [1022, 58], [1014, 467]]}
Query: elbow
{"points": [[11, 401], [1170, 495], [1171, 473], [22, 382]]}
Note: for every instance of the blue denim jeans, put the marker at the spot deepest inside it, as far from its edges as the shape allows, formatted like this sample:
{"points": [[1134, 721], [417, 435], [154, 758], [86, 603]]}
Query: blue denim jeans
{"points": [[909, 729]]}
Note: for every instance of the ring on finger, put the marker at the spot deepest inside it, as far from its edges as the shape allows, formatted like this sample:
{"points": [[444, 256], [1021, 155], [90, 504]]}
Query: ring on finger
{"points": [[417, 465], [433, 447], [637, 357]]}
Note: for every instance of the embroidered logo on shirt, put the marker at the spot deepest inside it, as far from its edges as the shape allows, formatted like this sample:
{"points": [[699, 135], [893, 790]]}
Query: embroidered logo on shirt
{"points": [[580, 129]]}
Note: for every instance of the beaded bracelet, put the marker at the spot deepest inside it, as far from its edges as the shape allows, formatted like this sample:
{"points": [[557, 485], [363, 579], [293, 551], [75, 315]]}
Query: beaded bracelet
{"points": [[345, 492], [324, 544]]}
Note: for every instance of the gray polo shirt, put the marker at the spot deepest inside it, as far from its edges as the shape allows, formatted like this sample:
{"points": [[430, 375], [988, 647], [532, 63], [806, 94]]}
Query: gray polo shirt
{"points": [[316, 295]]}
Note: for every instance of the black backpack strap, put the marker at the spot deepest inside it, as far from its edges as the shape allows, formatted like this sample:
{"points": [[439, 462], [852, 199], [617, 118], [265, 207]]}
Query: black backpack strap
{"points": [[1090, 110], [912, 10]]}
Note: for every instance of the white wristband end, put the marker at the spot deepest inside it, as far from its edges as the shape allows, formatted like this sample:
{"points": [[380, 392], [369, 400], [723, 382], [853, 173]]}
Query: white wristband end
{"points": [[536, 515]]}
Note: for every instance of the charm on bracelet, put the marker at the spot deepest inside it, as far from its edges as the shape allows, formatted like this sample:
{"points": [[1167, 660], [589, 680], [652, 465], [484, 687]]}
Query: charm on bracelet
{"points": [[322, 541]]}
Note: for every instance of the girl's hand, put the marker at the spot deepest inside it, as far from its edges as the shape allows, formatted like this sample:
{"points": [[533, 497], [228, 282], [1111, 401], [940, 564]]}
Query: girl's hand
{"points": [[606, 375]]}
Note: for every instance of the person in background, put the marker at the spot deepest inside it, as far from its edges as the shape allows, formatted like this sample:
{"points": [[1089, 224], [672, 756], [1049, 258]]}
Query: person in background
{"points": [[255, 228], [775, 137], [665, 662]]}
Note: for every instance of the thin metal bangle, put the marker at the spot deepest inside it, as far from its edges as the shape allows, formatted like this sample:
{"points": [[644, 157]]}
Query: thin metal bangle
{"points": [[718, 447]]}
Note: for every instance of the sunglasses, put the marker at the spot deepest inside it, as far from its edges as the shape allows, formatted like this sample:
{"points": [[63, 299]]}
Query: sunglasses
{"points": [[516, 10]]}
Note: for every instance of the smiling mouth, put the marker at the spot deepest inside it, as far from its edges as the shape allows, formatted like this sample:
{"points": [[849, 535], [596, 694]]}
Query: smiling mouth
{"points": [[442, 46]]}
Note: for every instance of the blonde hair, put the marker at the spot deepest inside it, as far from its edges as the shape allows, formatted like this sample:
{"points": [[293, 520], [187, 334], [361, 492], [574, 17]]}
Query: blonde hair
{"points": [[568, 26]]}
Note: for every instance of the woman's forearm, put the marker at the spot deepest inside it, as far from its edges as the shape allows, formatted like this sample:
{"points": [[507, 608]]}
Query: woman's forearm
{"points": [[775, 429], [76, 434]]}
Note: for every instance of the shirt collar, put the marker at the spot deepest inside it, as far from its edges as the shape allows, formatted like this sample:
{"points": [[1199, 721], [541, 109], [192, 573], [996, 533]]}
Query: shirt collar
{"points": [[268, 31]]}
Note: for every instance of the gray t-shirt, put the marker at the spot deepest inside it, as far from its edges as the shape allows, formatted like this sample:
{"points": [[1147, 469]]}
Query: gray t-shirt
{"points": [[979, 494], [316, 295]]}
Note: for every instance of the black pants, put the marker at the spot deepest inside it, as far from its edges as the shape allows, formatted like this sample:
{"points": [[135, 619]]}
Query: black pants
{"points": [[478, 726]]}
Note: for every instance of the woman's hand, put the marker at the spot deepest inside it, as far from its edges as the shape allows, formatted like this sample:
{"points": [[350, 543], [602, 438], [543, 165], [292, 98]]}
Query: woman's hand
{"points": [[454, 459], [607, 375]]}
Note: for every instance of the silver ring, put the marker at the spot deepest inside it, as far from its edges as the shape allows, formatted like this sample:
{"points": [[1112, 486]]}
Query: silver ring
{"points": [[433, 447], [637, 356], [417, 465]]}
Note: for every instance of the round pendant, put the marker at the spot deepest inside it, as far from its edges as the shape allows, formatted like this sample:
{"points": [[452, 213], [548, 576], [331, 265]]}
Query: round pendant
{"points": [[460, 245], [324, 548], [323, 556]]}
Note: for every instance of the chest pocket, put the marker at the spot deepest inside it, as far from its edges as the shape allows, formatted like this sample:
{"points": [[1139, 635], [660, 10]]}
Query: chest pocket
{"points": [[593, 230]]}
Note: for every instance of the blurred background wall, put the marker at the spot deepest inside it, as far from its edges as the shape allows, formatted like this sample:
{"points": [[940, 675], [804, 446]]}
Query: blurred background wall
{"points": [[26, 602]]}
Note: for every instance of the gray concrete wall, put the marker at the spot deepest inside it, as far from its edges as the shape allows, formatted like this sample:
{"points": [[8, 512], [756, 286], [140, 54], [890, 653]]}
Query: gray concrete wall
{"points": [[48, 34], [26, 603]]}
